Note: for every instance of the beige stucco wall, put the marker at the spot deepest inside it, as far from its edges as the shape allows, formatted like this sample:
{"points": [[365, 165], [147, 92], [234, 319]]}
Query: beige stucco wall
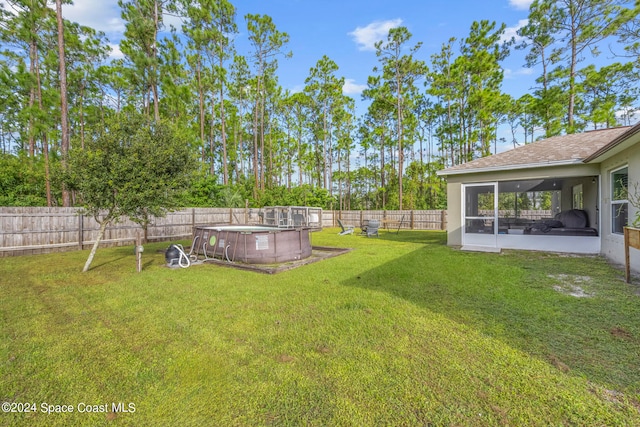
{"points": [[454, 213], [583, 171], [612, 245]]}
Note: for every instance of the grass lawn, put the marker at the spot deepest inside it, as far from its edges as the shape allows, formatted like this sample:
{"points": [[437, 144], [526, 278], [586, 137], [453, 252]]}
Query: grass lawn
{"points": [[400, 331]]}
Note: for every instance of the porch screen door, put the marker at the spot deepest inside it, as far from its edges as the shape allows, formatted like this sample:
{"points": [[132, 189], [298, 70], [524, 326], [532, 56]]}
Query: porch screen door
{"points": [[480, 214]]}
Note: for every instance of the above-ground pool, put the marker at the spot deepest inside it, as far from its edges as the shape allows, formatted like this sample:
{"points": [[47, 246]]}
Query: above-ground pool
{"points": [[253, 244]]}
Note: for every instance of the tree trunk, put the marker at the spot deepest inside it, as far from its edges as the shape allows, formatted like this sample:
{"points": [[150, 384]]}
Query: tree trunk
{"points": [[262, 129], [81, 114], [64, 120], [299, 157], [33, 66], [94, 248], [400, 145], [324, 147], [382, 180], [255, 141], [238, 133], [154, 85], [223, 131], [289, 158], [201, 107], [212, 136], [47, 171], [45, 140], [572, 86]]}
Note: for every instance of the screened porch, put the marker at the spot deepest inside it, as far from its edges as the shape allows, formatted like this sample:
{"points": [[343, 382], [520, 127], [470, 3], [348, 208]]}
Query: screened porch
{"points": [[544, 213]]}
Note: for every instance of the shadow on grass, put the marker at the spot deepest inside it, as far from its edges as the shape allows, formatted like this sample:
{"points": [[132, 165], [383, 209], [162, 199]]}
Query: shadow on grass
{"points": [[105, 263], [117, 256], [514, 297]]}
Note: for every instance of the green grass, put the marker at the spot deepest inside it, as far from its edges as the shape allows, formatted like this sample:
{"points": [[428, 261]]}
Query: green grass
{"points": [[400, 331]]}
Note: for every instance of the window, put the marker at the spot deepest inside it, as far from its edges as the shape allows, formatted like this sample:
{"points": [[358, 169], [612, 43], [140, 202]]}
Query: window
{"points": [[619, 202]]}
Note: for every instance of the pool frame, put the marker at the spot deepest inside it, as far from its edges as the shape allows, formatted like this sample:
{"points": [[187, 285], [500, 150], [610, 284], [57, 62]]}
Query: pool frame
{"points": [[251, 244]]}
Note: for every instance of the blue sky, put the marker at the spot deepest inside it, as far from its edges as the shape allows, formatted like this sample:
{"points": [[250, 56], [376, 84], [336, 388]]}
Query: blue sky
{"points": [[345, 31]]}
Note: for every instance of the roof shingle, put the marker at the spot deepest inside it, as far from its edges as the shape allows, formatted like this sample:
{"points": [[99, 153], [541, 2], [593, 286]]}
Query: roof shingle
{"points": [[571, 148]]}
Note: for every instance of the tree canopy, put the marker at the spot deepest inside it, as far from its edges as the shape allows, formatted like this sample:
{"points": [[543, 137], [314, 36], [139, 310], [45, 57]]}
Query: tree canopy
{"points": [[137, 167], [258, 142]]}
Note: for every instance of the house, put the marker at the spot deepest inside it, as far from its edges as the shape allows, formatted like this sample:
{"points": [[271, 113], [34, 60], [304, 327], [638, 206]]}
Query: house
{"points": [[561, 194]]}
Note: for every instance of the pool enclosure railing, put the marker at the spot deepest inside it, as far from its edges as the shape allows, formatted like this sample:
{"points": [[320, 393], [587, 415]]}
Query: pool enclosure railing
{"points": [[292, 216]]}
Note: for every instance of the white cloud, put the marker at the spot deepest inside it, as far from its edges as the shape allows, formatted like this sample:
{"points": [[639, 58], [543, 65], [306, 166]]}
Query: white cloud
{"points": [[106, 16], [5, 6], [297, 88], [521, 4], [116, 53], [100, 15], [510, 74], [172, 21], [351, 88], [510, 32], [367, 37], [628, 117]]}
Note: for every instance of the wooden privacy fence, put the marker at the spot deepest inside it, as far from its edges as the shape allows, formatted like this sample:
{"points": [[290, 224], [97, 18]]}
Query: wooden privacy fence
{"points": [[29, 230], [406, 219]]}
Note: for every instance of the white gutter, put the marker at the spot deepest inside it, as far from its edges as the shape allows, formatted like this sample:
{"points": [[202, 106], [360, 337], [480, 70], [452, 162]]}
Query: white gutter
{"points": [[510, 167]]}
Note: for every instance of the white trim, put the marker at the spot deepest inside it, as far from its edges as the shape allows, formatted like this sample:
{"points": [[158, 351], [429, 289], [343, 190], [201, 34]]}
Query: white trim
{"points": [[475, 248], [613, 201], [564, 244], [510, 167]]}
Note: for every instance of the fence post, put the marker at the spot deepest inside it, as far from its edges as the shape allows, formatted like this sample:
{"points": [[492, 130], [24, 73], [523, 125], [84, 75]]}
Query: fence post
{"points": [[411, 220], [80, 230], [443, 220]]}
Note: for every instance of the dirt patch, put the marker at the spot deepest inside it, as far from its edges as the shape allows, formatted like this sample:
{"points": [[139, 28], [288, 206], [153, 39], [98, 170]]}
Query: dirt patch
{"points": [[323, 349], [613, 396], [572, 285], [621, 333], [559, 364], [285, 358]]}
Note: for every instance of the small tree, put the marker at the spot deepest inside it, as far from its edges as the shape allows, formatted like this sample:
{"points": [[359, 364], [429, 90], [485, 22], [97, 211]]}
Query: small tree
{"points": [[137, 167]]}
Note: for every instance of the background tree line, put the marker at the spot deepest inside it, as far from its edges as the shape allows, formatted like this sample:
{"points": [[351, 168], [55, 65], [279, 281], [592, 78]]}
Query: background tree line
{"points": [[254, 140]]}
